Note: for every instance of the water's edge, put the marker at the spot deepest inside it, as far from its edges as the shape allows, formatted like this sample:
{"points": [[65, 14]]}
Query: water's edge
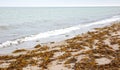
{"points": [[55, 32]]}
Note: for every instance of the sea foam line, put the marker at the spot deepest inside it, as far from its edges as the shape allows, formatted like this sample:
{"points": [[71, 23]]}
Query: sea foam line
{"points": [[55, 32]]}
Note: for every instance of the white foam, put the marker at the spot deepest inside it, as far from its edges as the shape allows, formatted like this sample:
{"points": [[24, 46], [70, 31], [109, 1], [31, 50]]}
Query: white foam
{"points": [[56, 32]]}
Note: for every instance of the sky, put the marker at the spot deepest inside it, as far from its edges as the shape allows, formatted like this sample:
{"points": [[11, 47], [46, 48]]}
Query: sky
{"points": [[58, 3]]}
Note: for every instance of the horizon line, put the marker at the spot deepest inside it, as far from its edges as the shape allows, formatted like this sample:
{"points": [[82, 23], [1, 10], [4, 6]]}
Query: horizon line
{"points": [[65, 6]]}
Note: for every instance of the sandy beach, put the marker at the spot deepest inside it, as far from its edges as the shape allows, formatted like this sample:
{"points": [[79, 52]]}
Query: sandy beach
{"points": [[98, 49]]}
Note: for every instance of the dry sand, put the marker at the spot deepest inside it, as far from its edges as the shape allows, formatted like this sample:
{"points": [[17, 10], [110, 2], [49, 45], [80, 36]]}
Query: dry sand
{"points": [[95, 50]]}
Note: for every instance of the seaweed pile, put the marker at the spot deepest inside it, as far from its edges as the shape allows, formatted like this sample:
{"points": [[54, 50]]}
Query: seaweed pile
{"points": [[95, 50]]}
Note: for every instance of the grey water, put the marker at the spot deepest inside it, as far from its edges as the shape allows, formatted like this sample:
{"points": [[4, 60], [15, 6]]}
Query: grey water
{"points": [[17, 22]]}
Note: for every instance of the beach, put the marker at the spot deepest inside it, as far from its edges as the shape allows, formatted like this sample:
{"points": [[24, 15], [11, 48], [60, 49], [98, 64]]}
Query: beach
{"points": [[95, 49]]}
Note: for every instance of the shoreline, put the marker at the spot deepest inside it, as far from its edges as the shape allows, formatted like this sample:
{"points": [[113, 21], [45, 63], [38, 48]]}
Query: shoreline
{"points": [[95, 49], [10, 46]]}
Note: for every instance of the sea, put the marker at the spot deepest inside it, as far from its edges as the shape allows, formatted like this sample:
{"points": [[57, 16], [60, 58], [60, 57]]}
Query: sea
{"points": [[25, 24]]}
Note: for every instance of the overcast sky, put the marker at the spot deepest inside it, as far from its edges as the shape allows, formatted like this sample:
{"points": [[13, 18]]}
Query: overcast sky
{"points": [[57, 3]]}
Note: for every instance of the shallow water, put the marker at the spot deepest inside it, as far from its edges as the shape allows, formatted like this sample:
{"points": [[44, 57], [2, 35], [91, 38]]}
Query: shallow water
{"points": [[19, 23]]}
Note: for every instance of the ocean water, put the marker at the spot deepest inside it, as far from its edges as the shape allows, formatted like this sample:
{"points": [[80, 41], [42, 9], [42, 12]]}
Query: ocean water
{"points": [[20, 24]]}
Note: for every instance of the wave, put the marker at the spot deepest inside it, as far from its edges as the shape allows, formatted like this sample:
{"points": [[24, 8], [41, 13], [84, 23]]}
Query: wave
{"points": [[55, 32]]}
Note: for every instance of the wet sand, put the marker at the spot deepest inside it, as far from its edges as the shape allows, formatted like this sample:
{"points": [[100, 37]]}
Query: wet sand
{"points": [[95, 50]]}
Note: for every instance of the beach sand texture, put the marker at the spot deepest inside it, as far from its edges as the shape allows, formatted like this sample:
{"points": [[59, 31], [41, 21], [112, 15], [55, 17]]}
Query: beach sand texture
{"points": [[94, 50]]}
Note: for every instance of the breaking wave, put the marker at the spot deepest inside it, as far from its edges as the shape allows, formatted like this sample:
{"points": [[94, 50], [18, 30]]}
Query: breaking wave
{"points": [[55, 32]]}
